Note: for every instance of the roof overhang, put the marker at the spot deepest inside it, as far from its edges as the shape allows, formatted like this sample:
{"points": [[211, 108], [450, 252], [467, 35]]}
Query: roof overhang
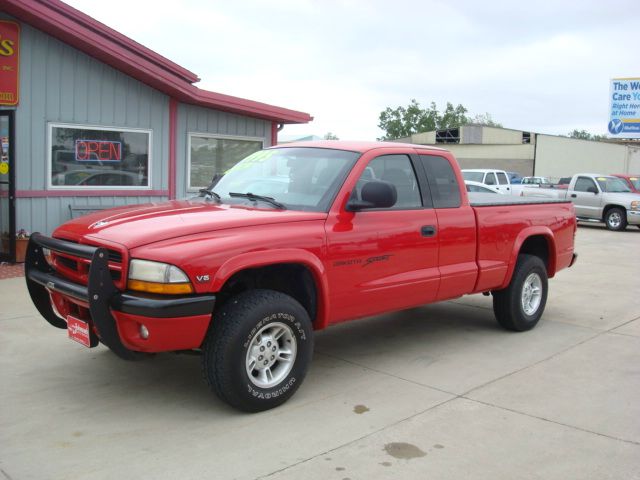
{"points": [[120, 52]]}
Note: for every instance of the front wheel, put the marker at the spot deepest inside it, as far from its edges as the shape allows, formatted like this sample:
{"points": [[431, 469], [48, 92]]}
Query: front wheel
{"points": [[258, 349], [520, 306], [616, 219]]}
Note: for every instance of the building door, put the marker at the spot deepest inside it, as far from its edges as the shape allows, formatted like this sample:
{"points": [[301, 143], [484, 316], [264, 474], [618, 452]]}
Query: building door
{"points": [[7, 187]]}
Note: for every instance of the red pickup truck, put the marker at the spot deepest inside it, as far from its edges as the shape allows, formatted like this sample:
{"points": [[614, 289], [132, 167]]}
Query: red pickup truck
{"points": [[290, 240]]}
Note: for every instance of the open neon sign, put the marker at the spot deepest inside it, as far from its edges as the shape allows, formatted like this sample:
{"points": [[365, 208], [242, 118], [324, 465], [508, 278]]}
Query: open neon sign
{"points": [[98, 150]]}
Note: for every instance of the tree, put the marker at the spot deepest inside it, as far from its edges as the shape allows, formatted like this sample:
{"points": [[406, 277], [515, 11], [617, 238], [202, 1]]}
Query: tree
{"points": [[405, 121], [584, 135], [330, 136], [485, 119]]}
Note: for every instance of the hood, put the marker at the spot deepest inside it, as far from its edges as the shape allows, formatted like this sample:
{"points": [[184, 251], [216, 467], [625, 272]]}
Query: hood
{"points": [[137, 225], [623, 198]]}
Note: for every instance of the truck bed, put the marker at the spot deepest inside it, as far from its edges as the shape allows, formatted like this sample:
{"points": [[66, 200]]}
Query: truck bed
{"points": [[492, 200], [500, 226]]}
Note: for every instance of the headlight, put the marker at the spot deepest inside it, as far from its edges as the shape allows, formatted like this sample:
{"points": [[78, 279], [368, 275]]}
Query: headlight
{"points": [[156, 277], [635, 205]]}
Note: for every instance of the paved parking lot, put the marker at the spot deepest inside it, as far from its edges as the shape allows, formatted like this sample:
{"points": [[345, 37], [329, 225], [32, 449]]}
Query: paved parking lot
{"points": [[438, 392]]}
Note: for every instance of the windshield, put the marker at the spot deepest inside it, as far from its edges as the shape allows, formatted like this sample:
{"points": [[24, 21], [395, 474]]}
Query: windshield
{"points": [[612, 185], [635, 181], [473, 176], [298, 178]]}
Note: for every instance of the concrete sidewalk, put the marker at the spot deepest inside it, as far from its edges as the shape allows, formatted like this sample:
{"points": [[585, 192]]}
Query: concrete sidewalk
{"points": [[438, 392]]}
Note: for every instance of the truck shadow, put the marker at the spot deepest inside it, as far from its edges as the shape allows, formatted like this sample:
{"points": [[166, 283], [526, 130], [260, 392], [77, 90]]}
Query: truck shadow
{"points": [[166, 382], [631, 229]]}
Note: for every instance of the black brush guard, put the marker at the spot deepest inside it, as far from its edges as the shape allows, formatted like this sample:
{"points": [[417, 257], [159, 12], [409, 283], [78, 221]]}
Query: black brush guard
{"points": [[101, 293]]}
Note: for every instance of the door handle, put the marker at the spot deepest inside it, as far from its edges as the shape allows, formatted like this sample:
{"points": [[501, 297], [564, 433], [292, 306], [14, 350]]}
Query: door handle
{"points": [[573, 195], [428, 231]]}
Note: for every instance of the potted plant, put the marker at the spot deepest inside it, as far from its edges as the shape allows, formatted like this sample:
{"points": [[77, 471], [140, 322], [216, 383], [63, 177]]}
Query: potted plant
{"points": [[22, 240]]}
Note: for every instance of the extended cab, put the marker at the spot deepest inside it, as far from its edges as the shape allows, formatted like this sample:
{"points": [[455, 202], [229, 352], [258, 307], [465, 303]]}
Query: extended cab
{"points": [[291, 240], [597, 198]]}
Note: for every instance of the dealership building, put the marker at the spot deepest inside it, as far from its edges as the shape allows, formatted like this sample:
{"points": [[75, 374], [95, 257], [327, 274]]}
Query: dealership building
{"points": [[90, 119], [530, 153]]}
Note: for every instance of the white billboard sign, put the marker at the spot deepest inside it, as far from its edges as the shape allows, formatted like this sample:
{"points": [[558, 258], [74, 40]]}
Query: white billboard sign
{"points": [[624, 111]]}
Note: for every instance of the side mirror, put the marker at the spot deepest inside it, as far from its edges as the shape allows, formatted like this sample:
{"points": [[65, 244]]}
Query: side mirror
{"points": [[374, 194], [592, 190]]}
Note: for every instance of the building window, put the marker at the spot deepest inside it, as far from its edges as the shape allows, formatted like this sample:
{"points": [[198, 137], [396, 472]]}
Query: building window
{"points": [[98, 157], [211, 156], [450, 135]]}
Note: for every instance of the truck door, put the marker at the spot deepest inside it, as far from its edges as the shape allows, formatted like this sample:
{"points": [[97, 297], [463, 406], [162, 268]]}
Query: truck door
{"points": [[456, 228], [490, 179], [503, 183], [587, 198], [382, 259]]}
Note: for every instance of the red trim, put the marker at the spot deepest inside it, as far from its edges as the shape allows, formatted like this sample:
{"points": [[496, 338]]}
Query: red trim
{"points": [[105, 44], [173, 146], [90, 193], [274, 134]]}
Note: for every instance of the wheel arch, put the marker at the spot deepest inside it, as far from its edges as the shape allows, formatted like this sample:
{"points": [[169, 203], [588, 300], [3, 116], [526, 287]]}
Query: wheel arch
{"points": [[609, 206], [306, 279], [538, 241]]}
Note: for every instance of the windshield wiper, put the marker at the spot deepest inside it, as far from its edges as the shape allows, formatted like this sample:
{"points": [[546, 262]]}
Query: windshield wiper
{"points": [[211, 193], [254, 197]]}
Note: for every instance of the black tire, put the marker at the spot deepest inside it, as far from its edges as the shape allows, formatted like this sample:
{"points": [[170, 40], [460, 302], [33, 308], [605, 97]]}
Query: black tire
{"points": [[508, 303], [253, 318], [616, 219]]}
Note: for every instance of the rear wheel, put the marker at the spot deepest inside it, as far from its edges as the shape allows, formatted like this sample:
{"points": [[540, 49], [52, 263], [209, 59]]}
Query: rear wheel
{"points": [[616, 219], [257, 351], [520, 306]]}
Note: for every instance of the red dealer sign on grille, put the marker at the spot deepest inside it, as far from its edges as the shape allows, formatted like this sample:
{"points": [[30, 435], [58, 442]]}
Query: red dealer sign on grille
{"points": [[9, 62]]}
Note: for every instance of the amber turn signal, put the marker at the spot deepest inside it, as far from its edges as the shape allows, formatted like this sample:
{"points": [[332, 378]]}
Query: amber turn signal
{"points": [[164, 288]]}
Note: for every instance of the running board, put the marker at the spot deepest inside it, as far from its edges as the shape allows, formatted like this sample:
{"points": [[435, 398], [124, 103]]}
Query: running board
{"points": [[585, 219]]}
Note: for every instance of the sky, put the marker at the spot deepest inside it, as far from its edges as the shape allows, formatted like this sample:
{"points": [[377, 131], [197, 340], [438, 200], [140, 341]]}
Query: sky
{"points": [[542, 66]]}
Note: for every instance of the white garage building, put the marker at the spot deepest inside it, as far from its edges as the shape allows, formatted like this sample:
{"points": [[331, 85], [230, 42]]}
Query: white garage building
{"points": [[529, 153]]}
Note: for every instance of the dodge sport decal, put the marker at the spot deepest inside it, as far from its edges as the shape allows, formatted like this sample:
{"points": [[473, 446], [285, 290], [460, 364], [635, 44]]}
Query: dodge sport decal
{"points": [[364, 262]]}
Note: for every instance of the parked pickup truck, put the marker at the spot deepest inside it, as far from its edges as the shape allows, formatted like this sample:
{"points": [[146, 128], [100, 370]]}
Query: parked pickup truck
{"points": [[597, 198], [291, 240], [498, 180]]}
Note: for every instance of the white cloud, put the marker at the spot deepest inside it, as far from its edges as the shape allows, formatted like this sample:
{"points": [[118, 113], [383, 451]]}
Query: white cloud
{"points": [[543, 67]]}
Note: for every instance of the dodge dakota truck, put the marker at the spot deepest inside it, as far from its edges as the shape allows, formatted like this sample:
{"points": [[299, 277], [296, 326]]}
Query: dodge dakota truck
{"points": [[597, 198], [289, 241]]}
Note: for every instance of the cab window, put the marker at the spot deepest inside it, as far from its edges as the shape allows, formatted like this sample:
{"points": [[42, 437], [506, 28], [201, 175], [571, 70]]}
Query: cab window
{"points": [[583, 184], [490, 179], [443, 183], [397, 170]]}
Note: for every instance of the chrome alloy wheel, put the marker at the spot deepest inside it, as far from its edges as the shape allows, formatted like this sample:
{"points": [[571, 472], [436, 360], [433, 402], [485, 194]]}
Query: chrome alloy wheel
{"points": [[531, 294], [614, 220], [271, 355]]}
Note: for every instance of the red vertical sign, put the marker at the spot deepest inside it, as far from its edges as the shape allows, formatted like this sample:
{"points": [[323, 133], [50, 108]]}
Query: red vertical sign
{"points": [[9, 62]]}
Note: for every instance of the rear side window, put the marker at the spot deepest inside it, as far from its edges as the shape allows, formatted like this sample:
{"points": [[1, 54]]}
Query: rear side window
{"points": [[490, 179], [583, 184], [442, 181], [502, 178]]}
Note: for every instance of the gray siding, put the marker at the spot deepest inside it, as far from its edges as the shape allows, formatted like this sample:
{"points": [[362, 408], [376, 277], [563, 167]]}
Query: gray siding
{"points": [[60, 84], [193, 119], [45, 214], [471, 134]]}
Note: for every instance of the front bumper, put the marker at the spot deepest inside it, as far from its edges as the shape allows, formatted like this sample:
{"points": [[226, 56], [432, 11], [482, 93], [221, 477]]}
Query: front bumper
{"points": [[633, 217], [115, 317]]}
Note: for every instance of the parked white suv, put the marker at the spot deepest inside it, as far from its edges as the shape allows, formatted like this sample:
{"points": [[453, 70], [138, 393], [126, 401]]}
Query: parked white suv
{"points": [[497, 179]]}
